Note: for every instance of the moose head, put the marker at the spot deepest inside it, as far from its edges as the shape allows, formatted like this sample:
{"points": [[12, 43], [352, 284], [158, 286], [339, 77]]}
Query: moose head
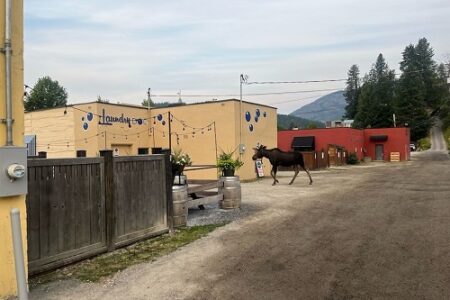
{"points": [[258, 151]]}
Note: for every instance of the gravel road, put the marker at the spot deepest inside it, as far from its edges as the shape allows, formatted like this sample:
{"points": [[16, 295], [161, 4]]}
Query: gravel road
{"points": [[380, 231]]}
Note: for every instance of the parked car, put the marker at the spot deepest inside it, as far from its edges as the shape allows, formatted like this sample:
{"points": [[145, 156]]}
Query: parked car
{"points": [[412, 147]]}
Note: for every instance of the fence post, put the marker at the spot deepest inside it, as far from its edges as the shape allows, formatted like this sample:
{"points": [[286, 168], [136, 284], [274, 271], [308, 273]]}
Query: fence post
{"points": [[169, 183], [110, 194]]}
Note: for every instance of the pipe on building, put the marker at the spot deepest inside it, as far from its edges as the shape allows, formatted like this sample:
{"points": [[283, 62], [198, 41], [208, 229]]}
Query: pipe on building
{"points": [[19, 261], [8, 87]]}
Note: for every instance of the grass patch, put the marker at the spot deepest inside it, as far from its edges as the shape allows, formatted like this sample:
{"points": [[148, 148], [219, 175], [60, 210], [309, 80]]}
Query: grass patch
{"points": [[424, 144], [447, 137], [105, 265]]}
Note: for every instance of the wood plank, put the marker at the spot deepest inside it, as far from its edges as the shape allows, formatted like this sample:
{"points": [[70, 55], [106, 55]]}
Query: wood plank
{"points": [[110, 194], [69, 224], [65, 258], [203, 187], [33, 214], [205, 200], [50, 191], [141, 235], [201, 181], [63, 161]]}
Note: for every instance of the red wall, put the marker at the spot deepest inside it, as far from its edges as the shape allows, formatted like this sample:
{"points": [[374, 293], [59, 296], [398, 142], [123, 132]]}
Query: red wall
{"points": [[353, 140], [398, 141]]}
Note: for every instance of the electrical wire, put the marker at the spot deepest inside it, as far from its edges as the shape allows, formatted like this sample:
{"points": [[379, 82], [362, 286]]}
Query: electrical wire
{"points": [[291, 82]]}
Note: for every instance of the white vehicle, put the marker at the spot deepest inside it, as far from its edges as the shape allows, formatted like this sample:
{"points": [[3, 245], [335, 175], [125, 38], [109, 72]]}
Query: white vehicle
{"points": [[412, 147]]}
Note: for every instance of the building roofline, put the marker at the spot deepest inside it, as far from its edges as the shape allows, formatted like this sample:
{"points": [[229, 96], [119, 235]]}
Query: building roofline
{"points": [[152, 107], [217, 101]]}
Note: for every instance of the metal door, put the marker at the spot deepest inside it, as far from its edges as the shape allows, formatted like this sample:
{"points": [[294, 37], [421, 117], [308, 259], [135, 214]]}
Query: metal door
{"points": [[379, 150]]}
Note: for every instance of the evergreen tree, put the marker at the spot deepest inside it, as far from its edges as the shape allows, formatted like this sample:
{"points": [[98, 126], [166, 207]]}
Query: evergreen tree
{"points": [[426, 66], [375, 103], [46, 93], [352, 92]]}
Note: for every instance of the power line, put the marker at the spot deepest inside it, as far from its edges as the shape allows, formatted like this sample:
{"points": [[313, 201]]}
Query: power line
{"points": [[290, 82], [250, 94], [295, 100]]}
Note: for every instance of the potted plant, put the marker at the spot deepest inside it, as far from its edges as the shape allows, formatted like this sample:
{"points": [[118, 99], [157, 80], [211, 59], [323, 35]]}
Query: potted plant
{"points": [[179, 161], [227, 164]]}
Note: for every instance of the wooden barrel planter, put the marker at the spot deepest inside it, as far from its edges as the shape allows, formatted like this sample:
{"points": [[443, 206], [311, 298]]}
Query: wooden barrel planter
{"points": [[180, 208], [231, 191]]}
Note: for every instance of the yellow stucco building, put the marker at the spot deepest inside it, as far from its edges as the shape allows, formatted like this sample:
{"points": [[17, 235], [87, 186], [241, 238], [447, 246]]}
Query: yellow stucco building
{"points": [[199, 129], [7, 271]]}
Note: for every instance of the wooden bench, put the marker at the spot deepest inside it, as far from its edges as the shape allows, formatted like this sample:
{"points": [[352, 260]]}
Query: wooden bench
{"points": [[200, 193]]}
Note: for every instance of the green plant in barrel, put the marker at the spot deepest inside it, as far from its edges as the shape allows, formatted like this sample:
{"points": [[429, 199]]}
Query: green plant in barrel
{"points": [[228, 164], [179, 161]]}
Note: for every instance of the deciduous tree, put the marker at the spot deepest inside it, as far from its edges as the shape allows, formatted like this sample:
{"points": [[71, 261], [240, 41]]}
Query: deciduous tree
{"points": [[46, 93]]}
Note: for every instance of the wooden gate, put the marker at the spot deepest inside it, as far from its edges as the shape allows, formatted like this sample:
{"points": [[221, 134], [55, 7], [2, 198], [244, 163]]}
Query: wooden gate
{"points": [[140, 196], [65, 211], [78, 208]]}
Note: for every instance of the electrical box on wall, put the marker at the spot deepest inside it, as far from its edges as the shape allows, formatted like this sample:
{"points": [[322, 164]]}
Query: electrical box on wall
{"points": [[13, 171]]}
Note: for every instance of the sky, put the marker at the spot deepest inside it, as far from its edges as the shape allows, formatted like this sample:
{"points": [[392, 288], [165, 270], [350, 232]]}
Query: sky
{"points": [[119, 49]]}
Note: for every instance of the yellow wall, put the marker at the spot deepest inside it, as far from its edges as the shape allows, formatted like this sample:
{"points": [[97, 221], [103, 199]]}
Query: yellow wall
{"points": [[192, 130], [264, 132], [54, 131], [61, 135], [201, 146], [7, 271]]}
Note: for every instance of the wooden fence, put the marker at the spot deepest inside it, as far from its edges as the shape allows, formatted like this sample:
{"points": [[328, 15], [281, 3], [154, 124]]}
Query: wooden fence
{"points": [[78, 208]]}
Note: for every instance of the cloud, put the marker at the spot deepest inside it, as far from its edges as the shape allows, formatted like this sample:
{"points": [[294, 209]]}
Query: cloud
{"points": [[118, 49]]}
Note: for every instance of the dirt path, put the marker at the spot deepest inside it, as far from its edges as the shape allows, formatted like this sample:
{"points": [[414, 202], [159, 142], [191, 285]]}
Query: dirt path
{"points": [[437, 137], [380, 231]]}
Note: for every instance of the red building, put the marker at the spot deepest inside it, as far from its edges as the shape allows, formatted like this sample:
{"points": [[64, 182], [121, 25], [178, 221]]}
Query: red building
{"points": [[377, 143]]}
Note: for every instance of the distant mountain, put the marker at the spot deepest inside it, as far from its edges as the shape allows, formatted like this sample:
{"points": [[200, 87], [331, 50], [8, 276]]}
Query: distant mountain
{"points": [[330, 107], [287, 122]]}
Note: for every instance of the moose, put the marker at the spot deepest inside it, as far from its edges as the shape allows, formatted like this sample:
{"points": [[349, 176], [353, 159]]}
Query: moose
{"points": [[278, 157]]}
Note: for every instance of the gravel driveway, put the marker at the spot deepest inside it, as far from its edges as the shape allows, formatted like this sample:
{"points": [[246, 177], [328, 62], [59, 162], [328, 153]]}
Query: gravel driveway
{"points": [[372, 231]]}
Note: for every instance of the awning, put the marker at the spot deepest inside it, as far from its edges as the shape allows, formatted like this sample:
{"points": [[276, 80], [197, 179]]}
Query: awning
{"points": [[378, 138], [303, 142]]}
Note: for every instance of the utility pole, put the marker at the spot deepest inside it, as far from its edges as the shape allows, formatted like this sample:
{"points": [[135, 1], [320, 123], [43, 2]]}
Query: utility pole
{"points": [[149, 98], [170, 130], [242, 79]]}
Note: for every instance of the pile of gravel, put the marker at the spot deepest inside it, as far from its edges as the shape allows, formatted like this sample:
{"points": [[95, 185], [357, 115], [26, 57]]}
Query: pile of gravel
{"points": [[212, 214]]}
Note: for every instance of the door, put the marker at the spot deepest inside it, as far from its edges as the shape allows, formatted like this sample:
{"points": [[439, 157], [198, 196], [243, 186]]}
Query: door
{"points": [[379, 152], [332, 155]]}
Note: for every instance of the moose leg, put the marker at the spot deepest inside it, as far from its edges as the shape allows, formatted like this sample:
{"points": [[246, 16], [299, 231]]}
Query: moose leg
{"points": [[307, 172], [296, 170], [273, 172]]}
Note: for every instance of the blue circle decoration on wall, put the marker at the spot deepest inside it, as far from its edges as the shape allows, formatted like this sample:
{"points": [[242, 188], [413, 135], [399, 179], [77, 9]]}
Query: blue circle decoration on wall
{"points": [[163, 122], [258, 113], [159, 117], [248, 116], [139, 121], [256, 119], [265, 114], [85, 126], [250, 127], [90, 116]]}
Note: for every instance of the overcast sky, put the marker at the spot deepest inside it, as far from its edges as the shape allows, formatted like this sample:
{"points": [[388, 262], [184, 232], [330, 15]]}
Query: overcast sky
{"points": [[119, 49]]}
